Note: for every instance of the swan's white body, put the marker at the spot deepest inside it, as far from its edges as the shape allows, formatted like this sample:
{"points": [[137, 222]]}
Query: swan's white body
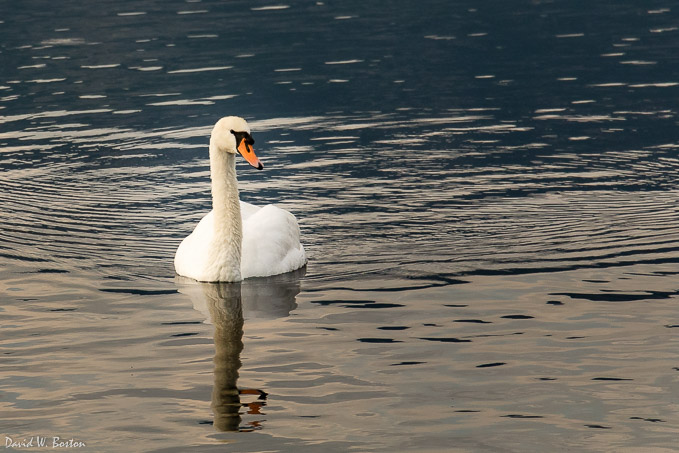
{"points": [[237, 240]]}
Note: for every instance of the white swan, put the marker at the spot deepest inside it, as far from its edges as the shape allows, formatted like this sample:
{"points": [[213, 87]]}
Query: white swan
{"points": [[237, 240]]}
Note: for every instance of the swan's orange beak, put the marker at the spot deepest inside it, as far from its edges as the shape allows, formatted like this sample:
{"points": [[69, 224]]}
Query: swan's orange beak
{"points": [[248, 153]]}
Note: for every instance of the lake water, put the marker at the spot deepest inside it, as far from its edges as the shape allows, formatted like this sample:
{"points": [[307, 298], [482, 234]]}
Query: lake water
{"points": [[487, 192]]}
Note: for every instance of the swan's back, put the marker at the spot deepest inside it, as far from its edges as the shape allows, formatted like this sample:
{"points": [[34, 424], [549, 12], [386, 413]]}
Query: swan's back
{"points": [[271, 242], [270, 245]]}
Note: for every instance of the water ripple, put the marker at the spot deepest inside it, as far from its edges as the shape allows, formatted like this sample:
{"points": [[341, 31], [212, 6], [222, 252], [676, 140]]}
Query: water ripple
{"points": [[358, 183]]}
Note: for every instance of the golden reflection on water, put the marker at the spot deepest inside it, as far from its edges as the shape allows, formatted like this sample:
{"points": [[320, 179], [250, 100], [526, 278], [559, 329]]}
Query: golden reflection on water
{"points": [[353, 367]]}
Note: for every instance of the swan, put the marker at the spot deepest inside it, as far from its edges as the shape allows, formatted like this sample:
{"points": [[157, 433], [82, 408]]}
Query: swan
{"points": [[237, 240]]}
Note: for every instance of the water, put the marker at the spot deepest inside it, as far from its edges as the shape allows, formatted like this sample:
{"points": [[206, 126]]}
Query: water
{"points": [[486, 190]]}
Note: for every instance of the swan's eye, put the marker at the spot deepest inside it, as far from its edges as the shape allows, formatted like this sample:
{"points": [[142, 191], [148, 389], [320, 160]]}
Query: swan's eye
{"points": [[240, 136]]}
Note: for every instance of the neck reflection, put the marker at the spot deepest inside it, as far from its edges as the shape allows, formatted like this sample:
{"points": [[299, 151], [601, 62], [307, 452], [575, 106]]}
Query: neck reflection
{"points": [[226, 305], [226, 313]]}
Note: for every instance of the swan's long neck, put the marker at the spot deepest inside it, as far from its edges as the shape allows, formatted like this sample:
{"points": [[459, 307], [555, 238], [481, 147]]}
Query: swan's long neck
{"points": [[228, 229]]}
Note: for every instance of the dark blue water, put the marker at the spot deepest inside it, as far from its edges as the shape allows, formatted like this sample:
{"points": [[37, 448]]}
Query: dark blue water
{"points": [[486, 191]]}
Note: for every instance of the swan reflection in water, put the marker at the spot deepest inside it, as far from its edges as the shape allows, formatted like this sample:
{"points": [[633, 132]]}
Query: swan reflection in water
{"points": [[227, 306]]}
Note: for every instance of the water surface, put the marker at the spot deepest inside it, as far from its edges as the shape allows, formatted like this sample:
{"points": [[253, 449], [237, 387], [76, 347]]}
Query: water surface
{"points": [[486, 193]]}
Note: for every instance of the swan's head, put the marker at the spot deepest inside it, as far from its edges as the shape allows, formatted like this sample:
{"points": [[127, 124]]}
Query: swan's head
{"points": [[231, 134]]}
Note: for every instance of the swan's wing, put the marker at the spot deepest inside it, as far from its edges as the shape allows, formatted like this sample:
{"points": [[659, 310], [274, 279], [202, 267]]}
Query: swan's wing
{"points": [[271, 243], [247, 210], [190, 257]]}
